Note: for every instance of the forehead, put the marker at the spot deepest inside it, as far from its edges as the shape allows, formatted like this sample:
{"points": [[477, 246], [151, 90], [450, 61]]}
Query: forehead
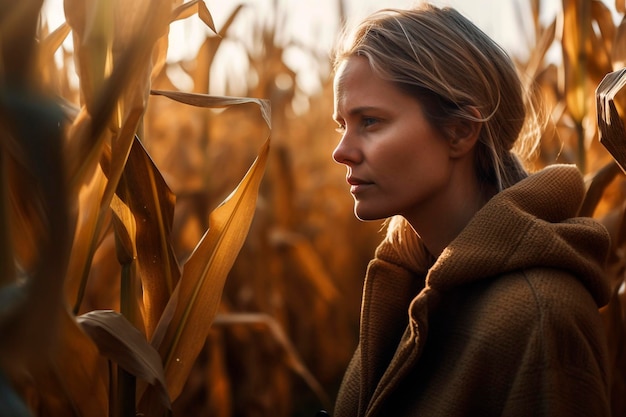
{"points": [[351, 70], [355, 78], [357, 85]]}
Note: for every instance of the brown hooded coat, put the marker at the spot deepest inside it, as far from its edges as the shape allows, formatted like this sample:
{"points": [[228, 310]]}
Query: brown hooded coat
{"points": [[505, 323]]}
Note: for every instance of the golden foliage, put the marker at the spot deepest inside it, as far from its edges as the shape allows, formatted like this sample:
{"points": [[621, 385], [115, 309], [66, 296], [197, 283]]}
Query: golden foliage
{"points": [[122, 239]]}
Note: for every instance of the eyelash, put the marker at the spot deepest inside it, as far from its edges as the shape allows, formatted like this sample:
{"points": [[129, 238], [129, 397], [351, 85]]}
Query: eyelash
{"points": [[365, 122], [368, 121]]}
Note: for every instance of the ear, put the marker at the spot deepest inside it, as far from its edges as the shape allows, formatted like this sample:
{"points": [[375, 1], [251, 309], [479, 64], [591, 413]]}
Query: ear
{"points": [[463, 134]]}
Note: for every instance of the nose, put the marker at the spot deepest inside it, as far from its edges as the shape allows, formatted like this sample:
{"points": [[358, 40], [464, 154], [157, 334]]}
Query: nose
{"points": [[347, 152]]}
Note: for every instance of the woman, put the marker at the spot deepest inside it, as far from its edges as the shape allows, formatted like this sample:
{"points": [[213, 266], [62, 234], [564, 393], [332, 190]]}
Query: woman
{"points": [[483, 298]]}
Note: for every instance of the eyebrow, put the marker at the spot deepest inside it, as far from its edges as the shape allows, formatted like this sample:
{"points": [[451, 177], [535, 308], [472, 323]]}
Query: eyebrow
{"points": [[357, 111]]}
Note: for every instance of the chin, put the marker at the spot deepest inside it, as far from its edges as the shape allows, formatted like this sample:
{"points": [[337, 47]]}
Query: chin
{"points": [[368, 215]]}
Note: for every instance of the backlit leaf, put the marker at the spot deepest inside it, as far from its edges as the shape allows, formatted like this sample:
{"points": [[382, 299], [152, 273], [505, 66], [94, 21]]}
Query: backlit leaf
{"points": [[197, 296], [205, 100], [52, 42], [187, 9], [120, 341], [576, 28], [151, 204]]}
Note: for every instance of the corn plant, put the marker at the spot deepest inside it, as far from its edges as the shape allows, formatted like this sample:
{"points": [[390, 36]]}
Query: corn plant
{"points": [[74, 174]]}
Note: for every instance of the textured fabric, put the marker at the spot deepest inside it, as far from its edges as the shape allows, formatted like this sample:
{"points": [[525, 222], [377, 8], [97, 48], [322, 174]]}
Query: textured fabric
{"points": [[504, 323]]}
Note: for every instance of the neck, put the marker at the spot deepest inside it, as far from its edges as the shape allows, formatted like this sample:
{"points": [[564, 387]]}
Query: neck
{"points": [[441, 222]]}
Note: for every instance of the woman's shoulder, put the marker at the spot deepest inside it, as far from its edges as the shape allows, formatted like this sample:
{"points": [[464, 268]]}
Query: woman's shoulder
{"points": [[527, 302]]}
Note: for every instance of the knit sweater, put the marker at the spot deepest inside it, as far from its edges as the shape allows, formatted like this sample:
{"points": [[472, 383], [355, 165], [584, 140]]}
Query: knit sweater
{"points": [[505, 323]]}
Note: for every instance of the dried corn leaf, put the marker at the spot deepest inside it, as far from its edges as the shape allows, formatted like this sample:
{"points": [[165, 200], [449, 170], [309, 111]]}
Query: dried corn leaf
{"points": [[120, 341], [135, 37], [309, 263], [137, 28], [611, 127], [49, 45], [192, 7], [87, 236], [205, 100], [576, 29], [189, 314], [603, 16], [618, 52], [206, 54], [76, 380], [292, 358], [93, 29], [151, 205], [112, 164], [599, 182], [600, 41], [125, 231], [159, 57]]}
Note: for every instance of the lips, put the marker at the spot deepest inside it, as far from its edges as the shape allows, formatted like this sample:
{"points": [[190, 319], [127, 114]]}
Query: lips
{"points": [[356, 181], [357, 185]]}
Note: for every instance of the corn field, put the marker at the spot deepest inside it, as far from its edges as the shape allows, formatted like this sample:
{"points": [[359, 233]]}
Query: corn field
{"points": [[168, 252]]}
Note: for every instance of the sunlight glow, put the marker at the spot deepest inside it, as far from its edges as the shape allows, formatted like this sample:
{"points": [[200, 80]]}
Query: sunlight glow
{"points": [[311, 27]]}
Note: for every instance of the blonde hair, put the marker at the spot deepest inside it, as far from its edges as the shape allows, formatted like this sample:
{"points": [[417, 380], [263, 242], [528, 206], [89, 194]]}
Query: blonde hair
{"points": [[453, 69]]}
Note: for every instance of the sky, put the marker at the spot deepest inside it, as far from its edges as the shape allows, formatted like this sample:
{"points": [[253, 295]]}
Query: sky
{"points": [[314, 23]]}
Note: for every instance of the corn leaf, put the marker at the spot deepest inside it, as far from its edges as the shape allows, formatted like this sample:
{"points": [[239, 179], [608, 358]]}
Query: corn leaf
{"points": [[204, 100], [151, 204], [112, 165], [599, 42], [75, 381], [292, 358], [88, 234], [618, 52], [539, 51], [206, 55], [576, 28], [52, 42], [121, 342], [114, 105], [186, 10], [125, 231], [603, 18], [112, 102], [309, 263], [197, 296], [600, 180], [610, 124]]}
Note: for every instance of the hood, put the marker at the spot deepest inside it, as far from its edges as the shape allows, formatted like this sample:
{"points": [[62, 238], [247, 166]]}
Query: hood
{"points": [[531, 224]]}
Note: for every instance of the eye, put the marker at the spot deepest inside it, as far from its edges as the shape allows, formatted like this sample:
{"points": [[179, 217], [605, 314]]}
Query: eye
{"points": [[341, 127], [368, 121]]}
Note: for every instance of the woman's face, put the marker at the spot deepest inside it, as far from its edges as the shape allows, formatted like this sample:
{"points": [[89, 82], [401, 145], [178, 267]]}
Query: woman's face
{"points": [[397, 162]]}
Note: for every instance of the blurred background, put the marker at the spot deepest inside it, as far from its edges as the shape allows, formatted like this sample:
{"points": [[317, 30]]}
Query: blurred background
{"points": [[288, 319]]}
